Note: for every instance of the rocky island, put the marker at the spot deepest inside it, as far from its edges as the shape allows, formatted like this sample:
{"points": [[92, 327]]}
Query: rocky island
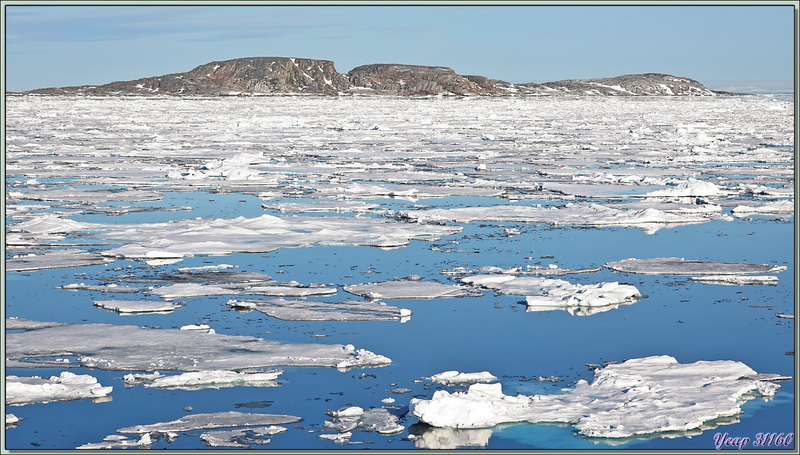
{"points": [[300, 76]]}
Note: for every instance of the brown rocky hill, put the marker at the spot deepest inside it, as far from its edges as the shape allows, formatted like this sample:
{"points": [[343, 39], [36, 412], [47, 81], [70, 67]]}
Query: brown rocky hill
{"points": [[300, 76]]}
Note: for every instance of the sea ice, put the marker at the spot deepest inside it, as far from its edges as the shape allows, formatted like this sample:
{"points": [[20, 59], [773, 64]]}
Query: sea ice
{"points": [[188, 290], [112, 288], [54, 259], [382, 420], [434, 438], [240, 438], [558, 293], [680, 266], [735, 280], [132, 348], [637, 397], [212, 420], [770, 208], [301, 310], [66, 386], [137, 306], [457, 378], [11, 419], [215, 379], [690, 188], [406, 289]]}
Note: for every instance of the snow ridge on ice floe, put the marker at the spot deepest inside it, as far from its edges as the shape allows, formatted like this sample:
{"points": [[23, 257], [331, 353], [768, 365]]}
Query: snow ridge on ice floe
{"points": [[636, 397]]}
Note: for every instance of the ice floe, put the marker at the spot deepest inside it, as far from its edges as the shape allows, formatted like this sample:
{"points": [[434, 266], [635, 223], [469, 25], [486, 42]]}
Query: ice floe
{"points": [[736, 280], [241, 438], [454, 377], [11, 419], [212, 420], [770, 208], [549, 292], [54, 259], [680, 266], [66, 386], [383, 420], [188, 290], [132, 348], [215, 379], [637, 397], [137, 306], [302, 310], [407, 289], [690, 188], [579, 214], [427, 437], [112, 288]]}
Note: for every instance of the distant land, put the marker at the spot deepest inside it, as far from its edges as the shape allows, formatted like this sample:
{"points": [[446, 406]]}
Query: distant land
{"points": [[300, 76]]}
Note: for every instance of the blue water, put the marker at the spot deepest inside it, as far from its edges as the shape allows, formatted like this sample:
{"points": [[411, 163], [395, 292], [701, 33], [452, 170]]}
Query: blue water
{"points": [[687, 320]]}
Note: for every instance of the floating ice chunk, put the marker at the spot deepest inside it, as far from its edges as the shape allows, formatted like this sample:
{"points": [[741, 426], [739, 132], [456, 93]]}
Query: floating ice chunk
{"points": [[457, 378], [301, 310], [55, 259], [636, 397], [137, 306], [199, 327], [347, 411], [680, 266], [132, 379], [649, 219], [336, 207], [735, 280], [382, 420], [215, 379], [131, 348], [434, 438], [11, 419], [89, 196], [27, 324], [205, 268], [212, 420], [339, 438], [112, 288], [405, 289], [559, 293], [66, 386], [785, 316], [242, 438], [770, 208], [690, 188], [48, 224], [556, 271]]}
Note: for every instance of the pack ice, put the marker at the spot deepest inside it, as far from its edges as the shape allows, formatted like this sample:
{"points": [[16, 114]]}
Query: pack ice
{"points": [[407, 289], [680, 266], [637, 397], [302, 310]]}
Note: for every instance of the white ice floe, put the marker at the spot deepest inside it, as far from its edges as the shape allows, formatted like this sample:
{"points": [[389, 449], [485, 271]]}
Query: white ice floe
{"points": [[66, 386], [407, 289], [335, 207], [216, 379], [457, 378], [137, 306], [558, 293], [11, 419], [680, 266], [241, 438], [736, 280], [132, 379], [188, 290], [783, 207], [132, 348], [211, 421], [383, 420], [206, 268], [585, 214], [690, 188], [111, 288], [54, 259], [302, 310], [636, 397]]}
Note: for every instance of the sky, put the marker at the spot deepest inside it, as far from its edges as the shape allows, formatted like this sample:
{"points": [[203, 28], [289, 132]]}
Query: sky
{"points": [[723, 47]]}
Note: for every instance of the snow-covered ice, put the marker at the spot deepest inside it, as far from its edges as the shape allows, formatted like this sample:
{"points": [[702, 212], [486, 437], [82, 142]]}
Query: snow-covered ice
{"points": [[212, 420], [680, 266], [137, 306], [215, 379], [303, 310], [549, 292], [453, 377], [406, 289], [637, 397], [241, 438], [132, 348], [66, 386], [736, 280]]}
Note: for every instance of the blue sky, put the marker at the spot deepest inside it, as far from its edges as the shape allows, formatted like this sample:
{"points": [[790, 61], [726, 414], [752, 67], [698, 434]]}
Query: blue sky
{"points": [[721, 46]]}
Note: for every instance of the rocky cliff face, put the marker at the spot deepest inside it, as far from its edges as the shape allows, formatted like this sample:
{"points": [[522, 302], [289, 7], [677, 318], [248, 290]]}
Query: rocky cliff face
{"points": [[406, 80], [298, 76], [263, 75]]}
